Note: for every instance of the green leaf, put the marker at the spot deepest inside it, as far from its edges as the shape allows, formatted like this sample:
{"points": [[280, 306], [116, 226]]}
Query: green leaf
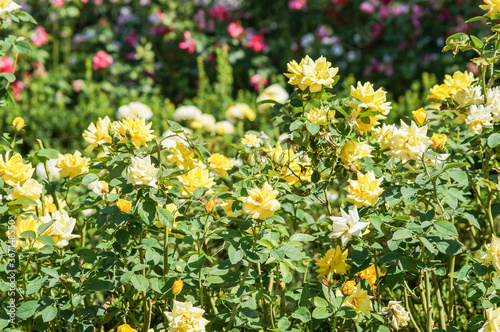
{"points": [[312, 127], [494, 140], [302, 314], [291, 252], [321, 313], [477, 18], [9, 77], [140, 282], [49, 313], [89, 178], [302, 237], [359, 256], [402, 234], [27, 309], [296, 125], [147, 211], [445, 228], [22, 47], [46, 240], [296, 103], [100, 285], [320, 302], [235, 256], [165, 217], [459, 176]]}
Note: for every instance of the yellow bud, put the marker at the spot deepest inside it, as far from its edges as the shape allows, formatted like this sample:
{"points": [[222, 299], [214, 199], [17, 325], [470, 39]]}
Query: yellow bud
{"points": [[126, 328], [18, 123], [348, 287], [420, 116], [177, 288], [124, 205], [438, 141], [209, 207]]}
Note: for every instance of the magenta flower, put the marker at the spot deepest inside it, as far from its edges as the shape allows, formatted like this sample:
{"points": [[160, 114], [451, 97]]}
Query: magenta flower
{"points": [[235, 30], [102, 60], [297, 4], [257, 42], [367, 7]]}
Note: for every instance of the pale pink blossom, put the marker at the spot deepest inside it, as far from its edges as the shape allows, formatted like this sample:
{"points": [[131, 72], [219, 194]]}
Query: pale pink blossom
{"points": [[235, 30], [40, 37], [6, 64], [189, 43]]}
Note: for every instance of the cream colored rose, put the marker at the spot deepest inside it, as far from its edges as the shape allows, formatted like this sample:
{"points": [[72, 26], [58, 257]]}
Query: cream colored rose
{"points": [[62, 227], [134, 110], [184, 317], [493, 253], [408, 142], [31, 189], [142, 172], [7, 6], [400, 316], [493, 321], [239, 112]]}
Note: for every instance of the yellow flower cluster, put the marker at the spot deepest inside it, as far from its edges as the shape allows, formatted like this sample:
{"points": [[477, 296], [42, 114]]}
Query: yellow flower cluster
{"points": [[142, 172], [451, 86], [261, 203], [311, 74], [360, 301], [353, 151], [182, 156], [321, 115], [194, 179], [251, 141], [369, 101]]}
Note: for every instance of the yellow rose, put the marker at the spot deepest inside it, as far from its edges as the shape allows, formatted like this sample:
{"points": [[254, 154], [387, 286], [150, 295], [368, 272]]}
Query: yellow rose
{"points": [[177, 288], [360, 301], [72, 164], [440, 92], [438, 141], [61, 229], [352, 151], [493, 253], [14, 170], [370, 275], [238, 112], [272, 92], [363, 124], [458, 81], [311, 74], [332, 263], [322, 115], [409, 142], [135, 129], [400, 316], [220, 163], [124, 205], [492, 6], [349, 287], [142, 172], [261, 203], [126, 328], [29, 189], [185, 317], [228, 208], [97, 134], [194, 179], [370, 99], [251, 141], [224, 128], [23, 224], [493, 320], [7, 6], [18, 123], [182, 156], [420, 116], [364, 191]]}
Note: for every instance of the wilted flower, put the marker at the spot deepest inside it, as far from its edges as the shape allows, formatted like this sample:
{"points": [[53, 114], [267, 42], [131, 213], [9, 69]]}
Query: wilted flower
{"points": [[479, 117], [185, 317], [134, 110], [238, 112], [18, 123], [364, 191], [251, 141], [62, 227], [311, 74], [14, 170], [7, 6], [220, 163], [272, 92], [352, 151], [400, 316], [420, 116], [347, 225], [30, 188], [409, 142], [492, 6], [261, 203], [72, 164], [194, 179], [321, 115], [188, 112], [97, 134], [224, 128], [332, 263], [360, 301], [142, 172], [137, 130], [124, 205]]}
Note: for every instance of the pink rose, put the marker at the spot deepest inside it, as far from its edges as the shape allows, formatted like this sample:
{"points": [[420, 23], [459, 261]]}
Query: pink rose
{"points": [[189, 44], [367, 7], [6, 65], [57, 3], [257, 43], [40, 37], [258, 82], [297, 4], [219, 13], [102, 60], [18, 87], [235, 30]]}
